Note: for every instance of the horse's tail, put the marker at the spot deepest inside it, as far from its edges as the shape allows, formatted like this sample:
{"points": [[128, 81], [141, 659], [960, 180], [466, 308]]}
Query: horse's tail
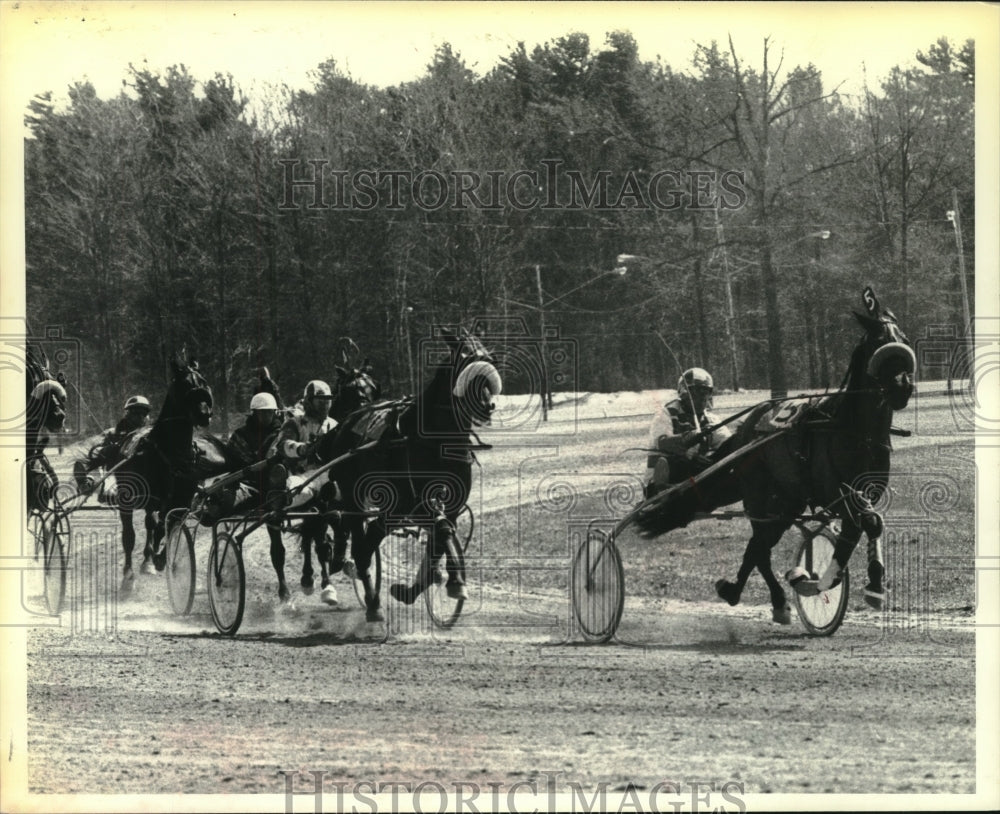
{"points": [[680, 503]]}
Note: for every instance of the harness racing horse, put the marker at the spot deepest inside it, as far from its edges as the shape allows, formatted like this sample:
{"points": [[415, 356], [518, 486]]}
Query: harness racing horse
{"points": [[411, 461], [355, 390], [45, 414], [832, 454], [161, 469]]}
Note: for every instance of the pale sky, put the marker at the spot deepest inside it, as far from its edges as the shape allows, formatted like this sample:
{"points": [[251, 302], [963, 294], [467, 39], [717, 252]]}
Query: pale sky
{"points": [[48, 46]]}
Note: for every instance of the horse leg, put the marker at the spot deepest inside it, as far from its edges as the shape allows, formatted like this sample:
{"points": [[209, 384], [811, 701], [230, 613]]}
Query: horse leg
{"points": [[278, 561], [875, 591], [340, 534], [847, 541], [444, 537], [731, 591], [363, 545], [159, 547], [781, 611], [408, 594], [305, 543], [324, 551], [147, 552], [128, 545]]}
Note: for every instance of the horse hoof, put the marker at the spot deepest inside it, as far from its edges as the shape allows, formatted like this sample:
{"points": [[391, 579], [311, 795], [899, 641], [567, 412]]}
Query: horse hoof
{"points": [[804, 583], [307, 585], [329, 595], [350, 570], [727, 590], [283, 593], [337, 565], [457, 591], [783, 615], [403, 593], [374, 614], [128, 582], [160, 560], [875, 599]]}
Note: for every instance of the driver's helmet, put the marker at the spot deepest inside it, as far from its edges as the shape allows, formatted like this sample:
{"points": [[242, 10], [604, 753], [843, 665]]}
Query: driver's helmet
{"points": [[317, 399], [695, 378], [263, 401], [136, 401]]}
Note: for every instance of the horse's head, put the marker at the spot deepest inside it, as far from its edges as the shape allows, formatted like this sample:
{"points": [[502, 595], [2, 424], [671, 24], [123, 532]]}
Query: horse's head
{"points": [[354, 389], [47, 406], [189, 392], [476, 380], [885, 353]]}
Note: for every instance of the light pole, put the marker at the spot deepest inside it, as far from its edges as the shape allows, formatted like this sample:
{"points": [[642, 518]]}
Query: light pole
{"points": [[955, 216], [540, 307], [407, 310]]}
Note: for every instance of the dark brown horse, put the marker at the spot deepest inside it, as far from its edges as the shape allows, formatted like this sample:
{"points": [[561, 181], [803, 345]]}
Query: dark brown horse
{"points": [[161, 468], [45, 417], [832, 455], [420, 467]]}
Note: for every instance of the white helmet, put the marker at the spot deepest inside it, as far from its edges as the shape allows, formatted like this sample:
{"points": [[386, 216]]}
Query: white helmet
{"points": [[136, 401], [317, 388], [263, 401], [694, 377]]}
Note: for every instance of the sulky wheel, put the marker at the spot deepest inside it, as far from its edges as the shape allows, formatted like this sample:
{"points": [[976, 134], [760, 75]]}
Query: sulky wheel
{"points": [[55, 545], [465, 527], [597, 585], [822, 613], [227, 584], [180, 568]]}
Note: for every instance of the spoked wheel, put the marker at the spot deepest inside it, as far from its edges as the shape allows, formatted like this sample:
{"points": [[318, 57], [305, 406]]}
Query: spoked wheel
{"points": [[823, 613], [465, 527], [55, 545], [597, 584], [180, 568], [227, 584], [444, 610]]}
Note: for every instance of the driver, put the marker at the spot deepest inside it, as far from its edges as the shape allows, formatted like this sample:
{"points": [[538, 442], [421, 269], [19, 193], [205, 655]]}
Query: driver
{"points": [[296, 442], [107, 451], [675, 451]]}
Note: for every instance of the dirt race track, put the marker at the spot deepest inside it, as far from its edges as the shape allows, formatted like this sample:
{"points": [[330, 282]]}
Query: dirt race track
{"points": [[693, 706]]}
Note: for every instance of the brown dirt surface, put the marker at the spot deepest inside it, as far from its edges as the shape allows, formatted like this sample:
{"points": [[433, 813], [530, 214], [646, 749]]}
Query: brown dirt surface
{"points": [[125, 698]]}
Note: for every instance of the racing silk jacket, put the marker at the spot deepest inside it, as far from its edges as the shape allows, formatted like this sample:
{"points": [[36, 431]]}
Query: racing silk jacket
{"points": [[252, 442], [666, 434], [297, 433]]}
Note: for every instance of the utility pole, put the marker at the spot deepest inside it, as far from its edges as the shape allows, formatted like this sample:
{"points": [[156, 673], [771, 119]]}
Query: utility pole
{"points": [[730, 310], [956, 221], [541, 319]]}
